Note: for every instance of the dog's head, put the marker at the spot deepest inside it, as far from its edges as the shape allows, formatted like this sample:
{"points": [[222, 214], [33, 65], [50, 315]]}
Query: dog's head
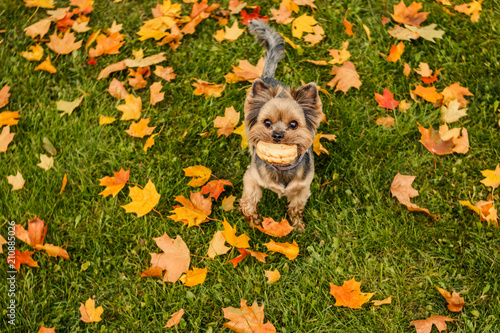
{"points": [[279, 115]]}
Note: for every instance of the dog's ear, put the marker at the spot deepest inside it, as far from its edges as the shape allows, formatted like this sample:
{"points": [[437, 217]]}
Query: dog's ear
{"points": [[308, 98], [259, 87]]}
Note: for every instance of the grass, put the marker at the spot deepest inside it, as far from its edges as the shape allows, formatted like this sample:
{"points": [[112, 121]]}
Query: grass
{"points": [[354, 227]]}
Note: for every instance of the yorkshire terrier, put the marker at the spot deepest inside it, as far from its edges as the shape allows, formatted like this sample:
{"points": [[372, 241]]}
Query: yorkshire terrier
{"points": [[274, 113]]}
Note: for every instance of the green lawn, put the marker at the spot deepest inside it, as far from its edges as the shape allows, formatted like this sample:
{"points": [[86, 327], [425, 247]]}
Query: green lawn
{"points": [[354, 227]]}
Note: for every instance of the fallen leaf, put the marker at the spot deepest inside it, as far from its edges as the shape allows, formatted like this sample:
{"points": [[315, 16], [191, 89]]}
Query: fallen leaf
{"points": [[245, 71], [485, 209], [155, 95], [428, 32], [348, 27], [455, 302], [290, 250], [238, 259], [35, 235], [119, 66], [368, 34], [195, 211], [228, 203], [64, 45], [16, 181], [117, 89], [143, 200], [283, 15], [349, 295], [208, 89], [388, 300], [492, 177], [152, 271], [385, 121], [216, 245], [145, 62], [68, 107], [301, 24], [140, 129], [409, 15], [39, 28], [35, 53], [244, 253], [103, 120], [340, 56], [53, 251], [194, 277], [114, 184], [175, 318], [132, 108], [4, 95], [401, 33], [456, 92], [46, 162], [402, 189], [47, 330], [23, 258], [309, 3], [240, 130], [396, 52], [404, 105], [215, 187], [90, 314], [229, 233], [386, 100], [107, 44], [317, 146], [232, 33], [425, 325], [247, 319], [199, 173], [39, 3], [227, 123], [247, 17], [3, 241], [175, 258], [46, 66], [428, 93], [149, 142], [275, 229], [272, 276], [5, 138], [64, 182], [345, 77], [166, 73], [472, 8], [453, 112], [316, 36]]}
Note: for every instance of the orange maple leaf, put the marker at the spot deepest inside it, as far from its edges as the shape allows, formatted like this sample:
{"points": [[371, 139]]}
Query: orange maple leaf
{"points": [[492, 177], [229, 233], [4, 95], [425, 325], [215, 187], [346, 77], [387, 100], [90, 314], [403, 191], [194, 277], [485, 209], [247, 319], [275, 229], [46, 66], [166, 73], [175, 258], [396, 52], [385, 121], [23, 258], [9, 118], [175, 318], [428, 93], [455, 302], [53, 251], [245, 71], [349, 295], [114, 184], [117, 89], [244, 253], [143, 200], [194, 212], [107, 45], [317, 146], [455, 91], [64, 45], [154, 92], [348, 27], [282, 15], [140, 129], [35, 235], [409, 15], [472, 8], [119, 66], [444, 141], [208, 89], [227, 123]]}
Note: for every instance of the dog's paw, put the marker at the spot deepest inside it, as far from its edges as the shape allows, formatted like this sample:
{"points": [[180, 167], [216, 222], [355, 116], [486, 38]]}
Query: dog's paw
{"points": [[298, 224], [253, 220]]}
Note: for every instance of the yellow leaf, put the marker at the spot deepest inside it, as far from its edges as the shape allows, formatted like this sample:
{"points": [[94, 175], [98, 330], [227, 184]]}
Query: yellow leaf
{"points": [[39, 28], [46, 162], [53, 251], [473, 9], [233, 33], [149, 142], [388, 300], [492, 177], [64, 45], [90, 314], [114, 184], [200, 173], [132, 108], [103, 120], [317, 146], [16, 181], [194, 277], [272, 276], [9, 118], [208, 89], [143, 200], [35, 53], [396, 52], [230, 236], [40, 3], [290, 250], [240, 130], [301, 24], [68, 107], [145, 62], [46, 66], [194, 212]]}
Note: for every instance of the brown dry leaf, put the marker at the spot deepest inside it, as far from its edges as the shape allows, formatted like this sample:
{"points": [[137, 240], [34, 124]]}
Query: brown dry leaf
{"points": [[140, 129], [216, 245], [425, 325], [428, 32], [208, 89], [39, 28], [349, 294], [461, 142], [455, 302], [385, 121], [175, 258], [227, 123], [64, 45], [247, 319], [472, 8], [195, 211], [90, 314], [433, 141], [132, 108], [136, 78], [275, 229], [5, 138], [317, 146], [401, 189], [175, 318], [119, 66], [346, 77], [46, 66], [272, 276], [16, 181], [117, 89], [114, 184], [166, 73], [409, 15]]}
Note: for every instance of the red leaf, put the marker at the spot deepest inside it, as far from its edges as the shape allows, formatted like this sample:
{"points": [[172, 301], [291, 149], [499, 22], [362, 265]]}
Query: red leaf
{"points": [[386, 101], [246, 18], [215, 187], [239, 258]]}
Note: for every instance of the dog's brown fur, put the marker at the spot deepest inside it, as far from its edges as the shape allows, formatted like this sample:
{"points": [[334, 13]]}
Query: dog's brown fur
{"points": [[270, 100]]}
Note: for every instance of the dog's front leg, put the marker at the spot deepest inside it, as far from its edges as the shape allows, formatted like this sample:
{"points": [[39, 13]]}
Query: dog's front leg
{"points": [[252, 193], [297, 201]]}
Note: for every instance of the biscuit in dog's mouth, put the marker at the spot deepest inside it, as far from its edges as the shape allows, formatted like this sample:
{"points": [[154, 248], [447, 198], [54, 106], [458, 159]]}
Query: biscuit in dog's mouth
{"points": [[276, 153]]}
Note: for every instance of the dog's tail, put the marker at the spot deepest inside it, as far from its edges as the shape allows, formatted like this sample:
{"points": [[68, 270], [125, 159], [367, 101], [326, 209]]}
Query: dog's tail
{"points": [[274, 44]]}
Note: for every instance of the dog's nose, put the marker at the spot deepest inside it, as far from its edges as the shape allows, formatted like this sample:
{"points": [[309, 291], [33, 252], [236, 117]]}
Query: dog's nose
{"points": [[277, 137]]}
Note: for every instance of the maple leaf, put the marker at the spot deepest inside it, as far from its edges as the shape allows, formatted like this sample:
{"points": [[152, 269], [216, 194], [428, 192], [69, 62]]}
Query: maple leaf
{"points": [[143, 200], [39, 28], [145, 62], [244, 253], [229, 233], [345, 77], [215, 187], [461, 143], [485, 209], [272, 276], [241, 131], [247, 319], [247, 17], [409, 15], [453, 112], [388, 300], [47, 330], [290, 250], [401, 33], [16, 181], [472, 8], [348, 27], [340, 56], [231, 34], [404, 105], [68, 107], [175, 318], [228, 203], [200, 173], [385, 121], [4, 95], [208, 89], [155, 95], [53, 251], [107, 45], [387, 100], [9, 118], [245, 71], [166, 73], [301, 24], [282, 16], [114, 184], [46, 162], [275, 229], [199, 12], [103, 120], [119, 66], [195, 211], [46, 66], [402, 189], [132, 108], [35, 53], [175, 258], [117, 89], [140, 129], [428, 93], [317, 146], [39, 3], [428, 32], [35, 235], [90, 314], [396, 52], [455, 91], [5, 138], [216, 245], [227, 123], [349, 295], [194, 277], [492, 177], [309, 3], [3, 241], [455, 302], [64, 182], [316, 37], [425, 325], [149, 142], [64, 45], [23, 258]]}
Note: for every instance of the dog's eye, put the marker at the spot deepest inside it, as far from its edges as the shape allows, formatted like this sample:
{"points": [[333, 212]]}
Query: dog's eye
{"points": [[293, 125], [267, 123]]}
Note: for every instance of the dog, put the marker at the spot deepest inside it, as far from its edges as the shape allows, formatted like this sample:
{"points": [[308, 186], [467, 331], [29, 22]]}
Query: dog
{"points": [[275, 113]]}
